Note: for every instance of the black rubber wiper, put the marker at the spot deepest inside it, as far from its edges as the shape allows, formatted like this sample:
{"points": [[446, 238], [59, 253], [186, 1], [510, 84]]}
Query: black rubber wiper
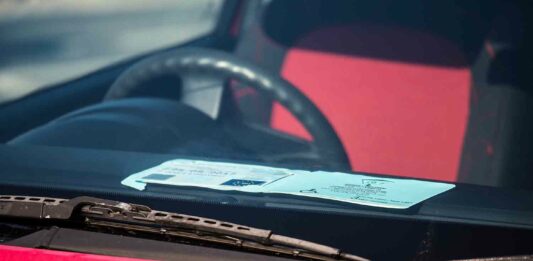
{"points": [[100, 213]]}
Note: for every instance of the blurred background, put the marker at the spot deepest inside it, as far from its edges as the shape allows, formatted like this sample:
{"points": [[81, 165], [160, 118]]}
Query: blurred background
{"points": [[43, 42]]}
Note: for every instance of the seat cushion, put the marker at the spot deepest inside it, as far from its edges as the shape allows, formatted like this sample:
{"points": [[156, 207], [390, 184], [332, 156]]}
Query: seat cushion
{"points": [[398, 98]]}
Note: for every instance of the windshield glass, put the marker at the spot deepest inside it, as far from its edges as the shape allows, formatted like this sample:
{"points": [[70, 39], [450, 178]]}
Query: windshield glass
{"points": [[425, 90], [391, 130], [47, 42]]}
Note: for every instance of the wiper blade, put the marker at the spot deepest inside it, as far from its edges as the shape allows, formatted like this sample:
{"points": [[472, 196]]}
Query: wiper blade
{"points": [[101, 213]]}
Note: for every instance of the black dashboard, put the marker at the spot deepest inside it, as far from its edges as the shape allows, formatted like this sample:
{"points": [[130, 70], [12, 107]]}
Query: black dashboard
{"points": [[461, 223]]}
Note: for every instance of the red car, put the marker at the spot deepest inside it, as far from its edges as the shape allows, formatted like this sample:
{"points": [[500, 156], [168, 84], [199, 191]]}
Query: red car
{"points": [[355, 129]]}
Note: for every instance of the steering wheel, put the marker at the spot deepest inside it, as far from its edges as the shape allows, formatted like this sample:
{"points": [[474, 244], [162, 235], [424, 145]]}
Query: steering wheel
{"points": [[194, 65]]}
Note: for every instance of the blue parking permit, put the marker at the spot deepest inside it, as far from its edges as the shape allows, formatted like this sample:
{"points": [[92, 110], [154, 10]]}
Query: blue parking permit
{"points": [[132, 181], [352, 188], [209, 174], [359, 189]]}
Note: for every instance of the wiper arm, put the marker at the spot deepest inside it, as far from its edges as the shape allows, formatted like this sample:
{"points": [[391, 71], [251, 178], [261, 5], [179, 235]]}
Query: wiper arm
{"points": [[101, 213]]}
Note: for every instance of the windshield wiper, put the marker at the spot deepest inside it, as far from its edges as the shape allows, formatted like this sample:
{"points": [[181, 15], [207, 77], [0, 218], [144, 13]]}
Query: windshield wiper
{"points": [[108, 214]]}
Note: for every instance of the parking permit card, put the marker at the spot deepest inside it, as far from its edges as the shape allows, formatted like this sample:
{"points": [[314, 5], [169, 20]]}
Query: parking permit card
{"points": [[215, 175], [352, 188], [359, 189], [132, 180]]}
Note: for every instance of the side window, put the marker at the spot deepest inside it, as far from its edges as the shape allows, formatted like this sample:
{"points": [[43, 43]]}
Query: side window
{"points": [[44, 42]]}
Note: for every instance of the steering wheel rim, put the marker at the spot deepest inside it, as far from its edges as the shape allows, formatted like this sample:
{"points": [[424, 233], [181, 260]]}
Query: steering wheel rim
{"points": [[222, 65]]}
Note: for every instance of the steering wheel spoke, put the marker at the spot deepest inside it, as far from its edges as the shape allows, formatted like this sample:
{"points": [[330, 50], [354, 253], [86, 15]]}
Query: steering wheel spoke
{"points": [[203, 91]]}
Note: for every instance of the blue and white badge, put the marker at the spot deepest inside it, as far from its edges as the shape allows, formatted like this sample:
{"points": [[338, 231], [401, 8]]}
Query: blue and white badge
{"points": [[345, 187]]}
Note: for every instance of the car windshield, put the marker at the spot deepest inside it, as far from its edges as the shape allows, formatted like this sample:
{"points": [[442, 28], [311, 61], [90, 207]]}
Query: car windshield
{"points": [[425, 90], [387, 129]]}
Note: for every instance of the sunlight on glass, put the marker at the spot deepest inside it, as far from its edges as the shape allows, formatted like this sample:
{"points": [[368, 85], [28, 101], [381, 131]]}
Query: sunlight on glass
{"points": [[47, 42]]}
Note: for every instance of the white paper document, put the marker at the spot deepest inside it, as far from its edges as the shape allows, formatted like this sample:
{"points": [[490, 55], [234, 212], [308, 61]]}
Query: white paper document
{"points": [[352, 188]]}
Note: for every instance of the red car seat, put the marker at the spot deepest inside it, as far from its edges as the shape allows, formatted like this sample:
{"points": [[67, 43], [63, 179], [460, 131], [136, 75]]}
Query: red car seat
{"points": [[394, 117], [397, 90]]}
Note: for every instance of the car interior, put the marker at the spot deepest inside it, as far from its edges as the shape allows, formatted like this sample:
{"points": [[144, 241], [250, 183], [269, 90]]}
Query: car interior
{"points": [[397, 110], [446, 113], [434, 90]]}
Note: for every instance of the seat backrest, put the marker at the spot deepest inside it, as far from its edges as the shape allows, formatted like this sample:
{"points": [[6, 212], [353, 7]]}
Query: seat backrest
{"points": [[398, 99], [398, 94]]}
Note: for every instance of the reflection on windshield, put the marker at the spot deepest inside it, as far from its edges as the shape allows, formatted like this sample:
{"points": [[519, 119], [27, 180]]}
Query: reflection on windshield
{"points": [[364, 87], [46, 42]]}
